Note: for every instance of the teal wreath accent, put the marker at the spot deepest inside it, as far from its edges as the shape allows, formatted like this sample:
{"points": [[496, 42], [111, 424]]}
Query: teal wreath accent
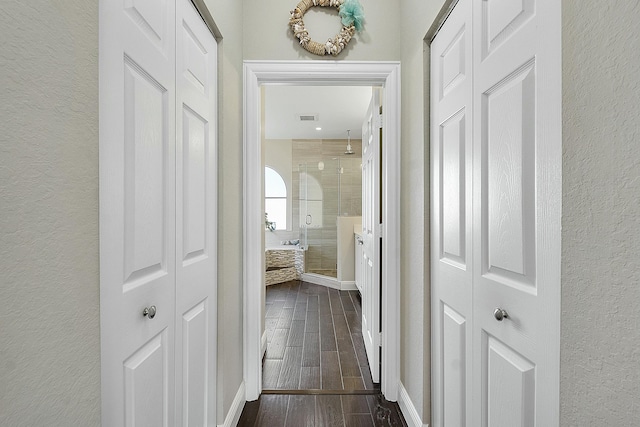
{"points": [[352, 14]]}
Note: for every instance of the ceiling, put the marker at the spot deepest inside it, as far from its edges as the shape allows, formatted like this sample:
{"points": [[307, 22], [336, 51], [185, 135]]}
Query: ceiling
{"points": [[337, 109]]}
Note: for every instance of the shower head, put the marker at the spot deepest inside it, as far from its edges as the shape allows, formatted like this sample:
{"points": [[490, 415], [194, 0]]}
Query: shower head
{"points": [[349, 150]]}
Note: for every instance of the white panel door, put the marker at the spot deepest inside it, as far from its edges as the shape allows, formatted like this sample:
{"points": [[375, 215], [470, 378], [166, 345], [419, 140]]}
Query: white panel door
{"points": [[496, 199], [137, 211], [451, 228], [196, 213], [371, 221], [517, 211]]}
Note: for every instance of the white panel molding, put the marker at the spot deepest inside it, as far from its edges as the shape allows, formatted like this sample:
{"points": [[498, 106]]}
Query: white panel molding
{"points": [[454, 380], [451, 222], [233, 416], [453, 64], [408, 409], [385, 74], [452, 211], [506, 369]]}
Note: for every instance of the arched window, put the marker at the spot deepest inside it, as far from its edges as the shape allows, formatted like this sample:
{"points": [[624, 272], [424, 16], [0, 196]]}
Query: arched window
{"points": [[275, 198]]}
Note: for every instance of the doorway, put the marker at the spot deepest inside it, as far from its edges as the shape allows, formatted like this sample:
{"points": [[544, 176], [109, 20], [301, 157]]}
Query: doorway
{"points": [[256, 74], [312, 153]]}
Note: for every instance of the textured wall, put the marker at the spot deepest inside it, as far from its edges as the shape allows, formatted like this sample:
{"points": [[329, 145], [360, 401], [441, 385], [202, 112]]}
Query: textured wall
{"points": [[600, 350], [228, 17], [417, 17], [49, 282], [267, 34]]}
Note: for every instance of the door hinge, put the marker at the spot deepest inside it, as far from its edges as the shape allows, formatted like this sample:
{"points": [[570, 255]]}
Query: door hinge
{"points": [[379, 121], [380, 229], [379, 339]]}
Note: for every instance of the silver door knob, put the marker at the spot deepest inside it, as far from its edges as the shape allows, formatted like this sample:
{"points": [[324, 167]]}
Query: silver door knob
{"points": [[500, 314], [149, 312]]}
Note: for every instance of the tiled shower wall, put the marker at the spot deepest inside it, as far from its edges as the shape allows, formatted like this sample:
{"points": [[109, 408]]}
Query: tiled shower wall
{"points": [[323, 242]]}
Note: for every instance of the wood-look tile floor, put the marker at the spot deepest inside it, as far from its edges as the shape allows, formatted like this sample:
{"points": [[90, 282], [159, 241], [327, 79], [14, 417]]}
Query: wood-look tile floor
{"points": [[314, 339], [314, 342], [321, 411]]}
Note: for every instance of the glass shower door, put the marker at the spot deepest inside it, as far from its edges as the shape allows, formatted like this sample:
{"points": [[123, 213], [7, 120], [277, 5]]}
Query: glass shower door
{"points": [[310, 202], [302, 200]]}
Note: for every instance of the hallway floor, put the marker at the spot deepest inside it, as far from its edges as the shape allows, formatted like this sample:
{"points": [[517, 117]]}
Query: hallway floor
{"points": [[315, 370], [314, 339], [321, 411]]}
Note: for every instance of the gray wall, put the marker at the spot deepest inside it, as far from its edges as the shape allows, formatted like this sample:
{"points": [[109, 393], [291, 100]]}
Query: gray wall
{"points": [[49, 282], [417, 17], [228, 17], [600, 349]]}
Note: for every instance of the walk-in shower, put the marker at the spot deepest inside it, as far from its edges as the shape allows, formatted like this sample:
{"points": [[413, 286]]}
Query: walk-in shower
{"points": [[327, 187]]}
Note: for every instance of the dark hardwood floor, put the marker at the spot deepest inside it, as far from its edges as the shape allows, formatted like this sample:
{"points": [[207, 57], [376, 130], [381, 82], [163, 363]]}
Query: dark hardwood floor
{"points": [[314, 339], [315, 370], [280, 410]]}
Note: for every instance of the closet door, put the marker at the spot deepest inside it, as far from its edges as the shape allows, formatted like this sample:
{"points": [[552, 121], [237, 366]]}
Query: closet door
{"points": [[517, 211], [137, 211], [196, 219], [496, 200], [451, 227]]}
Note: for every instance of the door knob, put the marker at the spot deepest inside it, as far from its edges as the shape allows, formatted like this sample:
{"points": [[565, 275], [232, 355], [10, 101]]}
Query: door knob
{"points": [[149, 312], [500, 314]]}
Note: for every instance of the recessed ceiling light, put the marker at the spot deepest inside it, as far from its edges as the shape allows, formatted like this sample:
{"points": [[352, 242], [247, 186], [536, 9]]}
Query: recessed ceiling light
{"points": [[318, 128]]}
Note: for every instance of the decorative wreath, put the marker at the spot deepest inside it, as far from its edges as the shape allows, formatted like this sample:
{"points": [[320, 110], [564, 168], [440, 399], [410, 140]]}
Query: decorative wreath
{"points": [[351, 15]]}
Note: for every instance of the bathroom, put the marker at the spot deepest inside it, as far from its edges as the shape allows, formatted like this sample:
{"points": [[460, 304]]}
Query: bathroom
{"points": [[313, 182]]}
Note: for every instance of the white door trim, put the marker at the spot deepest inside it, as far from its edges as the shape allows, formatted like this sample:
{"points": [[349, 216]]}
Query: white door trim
{"points": [[385, 74]]}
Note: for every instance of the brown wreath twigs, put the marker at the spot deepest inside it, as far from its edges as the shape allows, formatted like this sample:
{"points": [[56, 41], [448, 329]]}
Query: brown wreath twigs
{"points": [[332, 46]]}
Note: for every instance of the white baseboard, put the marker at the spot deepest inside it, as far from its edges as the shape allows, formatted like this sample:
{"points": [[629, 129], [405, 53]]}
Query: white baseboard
{"points": [[408, 409], [348, 285], [233, 416], [330, 282], [318, 279]]}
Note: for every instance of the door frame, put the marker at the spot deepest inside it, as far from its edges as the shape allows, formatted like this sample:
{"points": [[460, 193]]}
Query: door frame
{"points": [[355, 73]]}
